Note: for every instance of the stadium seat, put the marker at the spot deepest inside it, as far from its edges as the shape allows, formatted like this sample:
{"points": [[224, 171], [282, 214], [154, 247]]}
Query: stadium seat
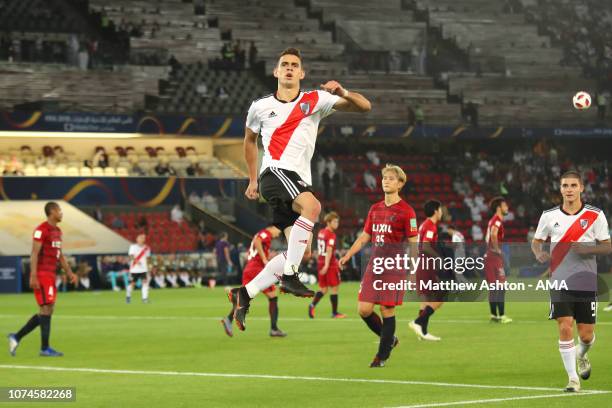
{"points": [[97, 172], [85, 171], [109, 172]]}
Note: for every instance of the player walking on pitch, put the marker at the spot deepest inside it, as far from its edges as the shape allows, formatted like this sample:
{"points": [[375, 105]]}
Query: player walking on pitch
{"points": [[432, 300], [139, 269], [259, 255], [577, 232], [390, 223], [46, 252], [288, 122], [327, 265], [494, 259]]}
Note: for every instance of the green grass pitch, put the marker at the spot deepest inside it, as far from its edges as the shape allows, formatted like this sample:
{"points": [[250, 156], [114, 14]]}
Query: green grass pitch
{"points": [[174, 353]]}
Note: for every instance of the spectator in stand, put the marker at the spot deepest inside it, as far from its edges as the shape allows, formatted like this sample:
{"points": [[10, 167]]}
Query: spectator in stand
{"points": [[477, 234], [602, 104], [164, 169], [224, 261], [116, 222], [222, 93], [369, 180], [373, 157], [83, 270], [252, 55], [202, 90], [175, 65], [210, 202], [98, 215], [117, 267], [176, 214], [100, 159], [194, 198]]}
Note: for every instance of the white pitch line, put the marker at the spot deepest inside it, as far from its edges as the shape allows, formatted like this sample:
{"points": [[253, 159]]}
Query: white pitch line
{"points": [[487, 401], [289, 319], [281, 377]]}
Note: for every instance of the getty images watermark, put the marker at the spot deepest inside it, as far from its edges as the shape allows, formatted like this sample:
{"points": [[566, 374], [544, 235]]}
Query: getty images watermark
{"points": [[471, 272]]}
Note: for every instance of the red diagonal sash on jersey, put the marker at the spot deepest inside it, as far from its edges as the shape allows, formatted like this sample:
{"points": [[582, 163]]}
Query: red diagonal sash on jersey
{"points": [[573, 234], [142, 253], [281, 136]]}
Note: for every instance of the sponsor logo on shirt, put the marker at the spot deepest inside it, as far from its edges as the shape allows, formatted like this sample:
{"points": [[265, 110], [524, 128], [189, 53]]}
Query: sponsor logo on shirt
{"points": [[382, 228]]}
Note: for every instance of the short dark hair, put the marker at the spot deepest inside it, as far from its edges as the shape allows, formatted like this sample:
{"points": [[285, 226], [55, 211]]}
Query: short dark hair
{"points": [[50, 206], [451, 226], [431, 207], [291, 51], [571, 174], [496, 202]]}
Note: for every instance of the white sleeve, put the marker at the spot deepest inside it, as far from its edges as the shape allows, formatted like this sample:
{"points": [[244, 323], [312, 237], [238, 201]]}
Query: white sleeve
{"points": [[253, 121], [542, 232], [600, 227], [131, 251], [326, 103]]}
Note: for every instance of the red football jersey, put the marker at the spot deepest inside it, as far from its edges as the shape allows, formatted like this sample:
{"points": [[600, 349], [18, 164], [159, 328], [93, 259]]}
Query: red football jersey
{"points": [[391, 224], [266, 241], [326, 239], [51, 239], [497, 222], [428, 231]]}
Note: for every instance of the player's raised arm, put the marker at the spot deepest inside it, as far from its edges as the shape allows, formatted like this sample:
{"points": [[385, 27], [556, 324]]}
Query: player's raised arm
{"points": [[250, 156], [349, 101], [36, 245]]}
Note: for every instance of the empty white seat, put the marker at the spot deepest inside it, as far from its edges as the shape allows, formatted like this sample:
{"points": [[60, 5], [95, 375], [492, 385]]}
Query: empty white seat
{"points": [[97, 171], [72, 171], [122, 172], [85, 172]]}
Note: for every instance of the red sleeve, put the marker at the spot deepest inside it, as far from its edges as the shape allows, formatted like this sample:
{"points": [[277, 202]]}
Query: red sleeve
{"points": [[428, 233], [411, 228], [367, 228], [330, 240], [40, 234]]}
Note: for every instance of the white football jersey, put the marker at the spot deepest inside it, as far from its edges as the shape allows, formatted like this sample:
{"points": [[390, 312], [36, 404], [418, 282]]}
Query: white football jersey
{"points": [[289, 129], [138, 258], [588, 225]]}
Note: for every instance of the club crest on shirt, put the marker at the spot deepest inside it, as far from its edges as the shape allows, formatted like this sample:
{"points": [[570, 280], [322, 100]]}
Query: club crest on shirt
{"points": [[584, 223], [305, 107]]}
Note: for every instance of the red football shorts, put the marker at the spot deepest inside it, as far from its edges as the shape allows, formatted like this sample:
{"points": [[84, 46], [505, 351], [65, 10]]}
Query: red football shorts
{"points": [[374, 288], [494, 268], [47, 292], [250, 272], [331, 278]]}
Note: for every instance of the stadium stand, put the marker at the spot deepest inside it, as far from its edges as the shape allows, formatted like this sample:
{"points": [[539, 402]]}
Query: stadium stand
{"points": [[163, 234], [195, 88], [123, 161]]}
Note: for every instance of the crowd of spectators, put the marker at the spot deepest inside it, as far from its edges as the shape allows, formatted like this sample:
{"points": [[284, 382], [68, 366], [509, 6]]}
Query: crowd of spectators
{"points": [[584, 30]]}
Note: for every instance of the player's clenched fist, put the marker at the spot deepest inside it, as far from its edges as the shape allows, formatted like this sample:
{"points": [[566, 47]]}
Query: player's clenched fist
{"points": [[334, 88], [251, 191]]}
